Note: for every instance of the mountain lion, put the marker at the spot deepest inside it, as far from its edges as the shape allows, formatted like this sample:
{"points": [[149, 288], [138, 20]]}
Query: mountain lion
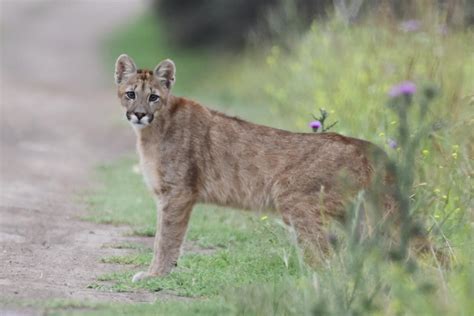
{"points": [[191, 154]]}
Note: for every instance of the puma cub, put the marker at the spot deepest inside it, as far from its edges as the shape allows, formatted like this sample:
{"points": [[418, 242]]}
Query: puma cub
{"points": [[190, 154]]}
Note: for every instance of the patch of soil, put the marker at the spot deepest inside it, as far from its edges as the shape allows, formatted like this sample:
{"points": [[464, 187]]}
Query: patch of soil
{"points": [[58, 121]]}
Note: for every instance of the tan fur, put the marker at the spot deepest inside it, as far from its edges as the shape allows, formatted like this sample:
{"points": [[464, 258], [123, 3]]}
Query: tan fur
{"points": [[191, 154]]}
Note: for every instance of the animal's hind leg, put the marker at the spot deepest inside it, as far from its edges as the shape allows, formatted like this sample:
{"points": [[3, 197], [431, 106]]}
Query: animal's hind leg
{"points": [[309, 218]]}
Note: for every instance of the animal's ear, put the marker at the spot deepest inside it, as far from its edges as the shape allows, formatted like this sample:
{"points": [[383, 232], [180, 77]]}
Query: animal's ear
{"points": [[124, 68], [165, 73]]}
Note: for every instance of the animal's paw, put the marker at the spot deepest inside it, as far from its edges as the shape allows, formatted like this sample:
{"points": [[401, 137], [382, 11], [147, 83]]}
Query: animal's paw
{"points": [[141, 276]]}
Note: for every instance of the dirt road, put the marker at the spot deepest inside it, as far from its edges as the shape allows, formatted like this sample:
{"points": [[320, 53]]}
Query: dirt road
{"points": [[58, 110]]}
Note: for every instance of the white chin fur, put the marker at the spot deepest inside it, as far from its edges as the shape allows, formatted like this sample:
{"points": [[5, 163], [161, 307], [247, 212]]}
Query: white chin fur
{"points": [[138, 126]]}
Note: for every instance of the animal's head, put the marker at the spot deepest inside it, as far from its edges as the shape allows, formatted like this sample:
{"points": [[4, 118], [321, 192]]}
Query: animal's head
{"points": [[143, 93]]}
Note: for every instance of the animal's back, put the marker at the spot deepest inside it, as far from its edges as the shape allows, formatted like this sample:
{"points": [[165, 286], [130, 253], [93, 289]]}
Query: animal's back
{"points": [[256, 167]]}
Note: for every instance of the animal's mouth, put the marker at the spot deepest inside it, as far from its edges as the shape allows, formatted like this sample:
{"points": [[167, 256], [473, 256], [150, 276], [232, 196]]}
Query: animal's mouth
{"points": [[139, 124], [139, 120]]}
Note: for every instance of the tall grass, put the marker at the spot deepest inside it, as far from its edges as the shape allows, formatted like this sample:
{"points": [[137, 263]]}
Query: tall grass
{"points": [[368, 274], [349, 71]]}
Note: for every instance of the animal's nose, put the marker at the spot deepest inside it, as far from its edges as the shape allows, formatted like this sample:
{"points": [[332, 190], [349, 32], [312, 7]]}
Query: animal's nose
{"points": [[139, 115]]}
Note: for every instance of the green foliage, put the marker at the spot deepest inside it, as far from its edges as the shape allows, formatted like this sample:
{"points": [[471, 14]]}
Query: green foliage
{"points": [[226, 25], [322, 119]]}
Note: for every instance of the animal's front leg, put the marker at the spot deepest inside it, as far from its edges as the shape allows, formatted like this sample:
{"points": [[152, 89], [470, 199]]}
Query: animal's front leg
{"points": [[173, 217]]}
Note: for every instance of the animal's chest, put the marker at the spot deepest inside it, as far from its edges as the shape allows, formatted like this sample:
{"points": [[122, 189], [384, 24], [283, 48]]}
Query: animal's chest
{"points": [[150, 171], [150, 175]]}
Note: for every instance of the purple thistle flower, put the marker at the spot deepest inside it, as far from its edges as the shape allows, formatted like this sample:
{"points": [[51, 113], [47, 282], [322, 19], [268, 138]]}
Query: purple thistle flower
{"points": [[410, 26], [392, 143], [315, 125], [404, 88]]}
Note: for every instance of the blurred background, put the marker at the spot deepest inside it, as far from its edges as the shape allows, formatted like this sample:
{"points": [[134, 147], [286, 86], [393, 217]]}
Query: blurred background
{"points": [[229, 24], [272, 62], [259, 49]]}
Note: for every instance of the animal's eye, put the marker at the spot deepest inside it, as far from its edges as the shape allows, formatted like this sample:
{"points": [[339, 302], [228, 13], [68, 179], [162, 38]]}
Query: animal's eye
{"points": [[153, 97], [131, 95]]}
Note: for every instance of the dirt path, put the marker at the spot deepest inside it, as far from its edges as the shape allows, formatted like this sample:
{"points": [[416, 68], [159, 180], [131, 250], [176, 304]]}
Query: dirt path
{"points": [[57, 122]]}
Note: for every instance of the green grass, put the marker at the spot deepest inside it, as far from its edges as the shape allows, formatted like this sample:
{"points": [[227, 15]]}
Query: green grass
{"points": [[125, 245], [163, 307], [160, 308], [254, 269]]}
